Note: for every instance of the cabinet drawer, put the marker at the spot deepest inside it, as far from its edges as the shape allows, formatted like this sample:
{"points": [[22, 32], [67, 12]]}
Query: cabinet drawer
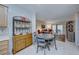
{"points": [[3, 46], [4, 51], [4, 42]]}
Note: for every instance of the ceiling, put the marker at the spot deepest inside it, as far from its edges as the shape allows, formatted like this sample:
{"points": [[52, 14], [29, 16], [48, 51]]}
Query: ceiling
{"points": [[52, 11]]}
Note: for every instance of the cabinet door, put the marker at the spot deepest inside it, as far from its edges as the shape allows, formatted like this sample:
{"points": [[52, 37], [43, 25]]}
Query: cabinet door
{"points": [[22, 43], [28, 41], [3, 16], [3, 47], [19, 43]]}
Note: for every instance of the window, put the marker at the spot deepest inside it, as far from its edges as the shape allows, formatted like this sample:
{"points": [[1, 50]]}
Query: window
{"points": [[58, 29], [54, 28]]}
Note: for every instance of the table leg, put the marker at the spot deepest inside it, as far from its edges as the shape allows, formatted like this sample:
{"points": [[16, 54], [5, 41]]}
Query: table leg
{"points": [[55, 44]]}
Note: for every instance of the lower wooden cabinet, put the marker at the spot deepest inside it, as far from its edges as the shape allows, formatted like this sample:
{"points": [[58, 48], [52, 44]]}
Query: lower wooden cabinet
{"points": [[21, 41], [4, 47], [61, 38]]}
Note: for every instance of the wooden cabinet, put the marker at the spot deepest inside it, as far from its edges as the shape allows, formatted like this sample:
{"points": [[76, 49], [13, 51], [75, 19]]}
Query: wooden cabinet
{"points": [[61, 38], [4, 47], [3, 16], [21, 26], [21, 41], [28, 40]]}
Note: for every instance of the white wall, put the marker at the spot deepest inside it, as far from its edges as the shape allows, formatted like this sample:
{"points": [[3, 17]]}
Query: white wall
{"points": [[75, 18], [18, 11], [39, 23], [77, 29]]}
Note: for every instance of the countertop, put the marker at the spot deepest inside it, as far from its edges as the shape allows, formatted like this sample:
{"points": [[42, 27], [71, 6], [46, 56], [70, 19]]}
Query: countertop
{"points": [[4, 38]]}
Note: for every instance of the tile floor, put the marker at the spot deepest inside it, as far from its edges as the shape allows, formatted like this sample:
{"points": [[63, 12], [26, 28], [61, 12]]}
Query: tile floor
{"points": [[64, 48]]}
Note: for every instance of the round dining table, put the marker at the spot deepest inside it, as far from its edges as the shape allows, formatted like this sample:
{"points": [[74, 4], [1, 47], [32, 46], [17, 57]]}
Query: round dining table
{"points": [[48, 39]]}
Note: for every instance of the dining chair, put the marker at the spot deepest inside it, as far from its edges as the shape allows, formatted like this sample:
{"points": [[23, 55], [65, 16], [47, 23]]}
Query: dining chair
{"points": [[41, 43], [54, 40]]}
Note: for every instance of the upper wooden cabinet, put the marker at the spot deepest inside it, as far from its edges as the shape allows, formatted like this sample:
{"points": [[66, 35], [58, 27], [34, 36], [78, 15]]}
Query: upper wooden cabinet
{"points": [[3, 16]]}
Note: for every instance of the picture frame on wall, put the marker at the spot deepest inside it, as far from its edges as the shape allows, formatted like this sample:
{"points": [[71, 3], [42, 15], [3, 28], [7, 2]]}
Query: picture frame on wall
{"points": [[42, 26]]}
